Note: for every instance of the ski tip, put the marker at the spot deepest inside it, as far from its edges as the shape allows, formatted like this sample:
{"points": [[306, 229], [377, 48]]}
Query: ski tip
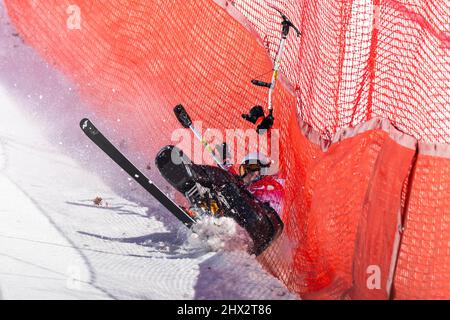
{"points": [[88, 127], [84, 122]]}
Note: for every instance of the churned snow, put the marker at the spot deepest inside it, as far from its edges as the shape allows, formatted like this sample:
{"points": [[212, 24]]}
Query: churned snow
{"points": [[72, 225], [218, 234]]}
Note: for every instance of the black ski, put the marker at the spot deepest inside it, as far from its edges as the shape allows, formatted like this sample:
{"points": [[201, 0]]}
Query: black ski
{"points": [[103, 143]]}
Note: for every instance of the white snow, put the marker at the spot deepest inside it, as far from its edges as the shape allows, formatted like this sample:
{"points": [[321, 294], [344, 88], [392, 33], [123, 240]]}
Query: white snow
{"points": [[55, 243], [215, 234]]}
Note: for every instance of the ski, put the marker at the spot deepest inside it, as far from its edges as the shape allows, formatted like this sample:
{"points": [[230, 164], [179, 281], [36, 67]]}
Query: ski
{"points": [[104, 144]]}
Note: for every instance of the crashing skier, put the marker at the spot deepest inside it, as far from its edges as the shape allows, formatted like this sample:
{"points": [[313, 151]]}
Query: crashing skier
{"points": [[250, 197], [210, 190]]}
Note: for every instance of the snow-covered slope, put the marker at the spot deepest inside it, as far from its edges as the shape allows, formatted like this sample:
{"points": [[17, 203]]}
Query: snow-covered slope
{"points": [[55, 243]]}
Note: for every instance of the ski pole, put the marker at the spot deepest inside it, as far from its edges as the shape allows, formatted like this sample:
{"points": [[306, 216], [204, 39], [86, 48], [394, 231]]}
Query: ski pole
{"points": [[186, 122], [267, 121], [287, 24]]}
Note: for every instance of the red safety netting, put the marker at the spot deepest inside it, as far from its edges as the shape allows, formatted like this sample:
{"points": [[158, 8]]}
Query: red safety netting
{"points": [[365, 215]]}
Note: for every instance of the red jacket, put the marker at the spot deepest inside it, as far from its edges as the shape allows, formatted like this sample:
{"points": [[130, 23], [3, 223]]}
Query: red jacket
{"points": [[268, 189]]}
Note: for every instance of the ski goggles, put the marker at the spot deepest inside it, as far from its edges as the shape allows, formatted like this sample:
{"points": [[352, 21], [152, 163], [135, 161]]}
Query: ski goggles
{"points": [[251, 167]]}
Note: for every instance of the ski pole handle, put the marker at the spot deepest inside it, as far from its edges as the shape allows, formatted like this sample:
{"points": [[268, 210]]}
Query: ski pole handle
{"points": [[286, 22], [182, 116]]}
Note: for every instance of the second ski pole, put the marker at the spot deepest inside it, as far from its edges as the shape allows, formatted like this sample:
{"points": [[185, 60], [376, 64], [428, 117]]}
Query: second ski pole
{"points": [[186, 122]]}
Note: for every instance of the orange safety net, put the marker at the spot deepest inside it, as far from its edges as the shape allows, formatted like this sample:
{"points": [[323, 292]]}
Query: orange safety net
{"points": [[365, 206]]}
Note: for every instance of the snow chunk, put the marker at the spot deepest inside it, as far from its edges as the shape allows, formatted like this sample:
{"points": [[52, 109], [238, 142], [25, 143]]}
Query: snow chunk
{"points": [[217, 234]]}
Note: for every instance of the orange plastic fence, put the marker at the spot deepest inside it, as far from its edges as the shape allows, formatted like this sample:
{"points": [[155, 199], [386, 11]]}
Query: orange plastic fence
{"points": [[365, 204]]}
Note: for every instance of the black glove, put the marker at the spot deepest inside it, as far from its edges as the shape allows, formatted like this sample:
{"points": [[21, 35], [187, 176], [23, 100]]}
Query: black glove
{"points": [[266, 124], [255, 113]]}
